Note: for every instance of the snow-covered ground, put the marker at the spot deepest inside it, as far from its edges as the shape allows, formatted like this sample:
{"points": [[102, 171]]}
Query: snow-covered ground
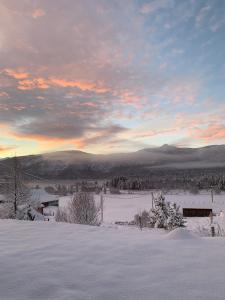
{"points": [[44, 261], [123, 207]]}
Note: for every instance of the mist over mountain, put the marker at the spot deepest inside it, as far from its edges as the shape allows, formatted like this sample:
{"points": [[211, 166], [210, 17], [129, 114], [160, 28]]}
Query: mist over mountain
{"points": [[77, 164]]}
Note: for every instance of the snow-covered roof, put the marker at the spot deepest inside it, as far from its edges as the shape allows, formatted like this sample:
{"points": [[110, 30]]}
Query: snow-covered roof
{"points": [[42, 196]]}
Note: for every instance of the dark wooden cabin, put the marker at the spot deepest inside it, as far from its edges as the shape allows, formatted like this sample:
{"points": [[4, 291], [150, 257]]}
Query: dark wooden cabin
{"points": [[197, 212]]}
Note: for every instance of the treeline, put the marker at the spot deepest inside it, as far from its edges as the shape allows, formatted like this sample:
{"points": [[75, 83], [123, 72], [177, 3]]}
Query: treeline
{"points": [[189, 179]]}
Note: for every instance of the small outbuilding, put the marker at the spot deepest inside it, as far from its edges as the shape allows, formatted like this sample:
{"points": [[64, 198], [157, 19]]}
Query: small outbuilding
{"points": [[197, 212]]}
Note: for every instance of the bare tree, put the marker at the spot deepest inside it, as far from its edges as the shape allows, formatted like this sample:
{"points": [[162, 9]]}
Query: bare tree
{"points": [[83, 210], [62, 215], [17, 194]]}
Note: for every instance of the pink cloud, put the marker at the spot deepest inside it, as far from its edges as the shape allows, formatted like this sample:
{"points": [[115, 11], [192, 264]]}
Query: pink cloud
{"points": [[4, 94], [184, 91], [37, 13], [81, 84], [210, 133], [28, 82], [151, 133]]}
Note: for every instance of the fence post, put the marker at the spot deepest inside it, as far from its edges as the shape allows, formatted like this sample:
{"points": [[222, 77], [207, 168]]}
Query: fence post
{"points": [[212, 230], [212, 225]]}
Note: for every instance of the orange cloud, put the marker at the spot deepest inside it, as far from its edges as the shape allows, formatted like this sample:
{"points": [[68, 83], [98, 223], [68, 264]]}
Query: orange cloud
{"points": [[51, 142], [37, 13], [30, 84], [82, 85], [4, 126], [44, 143], [26, 83], [6, 149], [17, 74], [67, 83]]}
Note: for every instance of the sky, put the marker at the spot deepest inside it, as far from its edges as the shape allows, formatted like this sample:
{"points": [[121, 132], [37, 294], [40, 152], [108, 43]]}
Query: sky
{"points": [[106, 76]]}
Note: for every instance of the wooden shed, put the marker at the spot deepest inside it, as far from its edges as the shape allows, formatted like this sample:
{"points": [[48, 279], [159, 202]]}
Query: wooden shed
{"points": [[197, 212]]}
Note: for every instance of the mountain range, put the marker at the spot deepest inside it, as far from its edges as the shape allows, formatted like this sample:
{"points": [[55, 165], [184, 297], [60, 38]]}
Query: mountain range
{"points": [[77, 164]]}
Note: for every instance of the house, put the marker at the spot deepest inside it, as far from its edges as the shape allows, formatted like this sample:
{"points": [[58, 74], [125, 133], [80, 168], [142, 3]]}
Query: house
{"points": [[50, 202], [49, 208], [47, 203]]}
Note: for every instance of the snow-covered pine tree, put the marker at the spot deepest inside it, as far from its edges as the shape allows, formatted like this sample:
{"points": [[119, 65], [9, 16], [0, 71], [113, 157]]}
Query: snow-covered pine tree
{"points": [[175, 218], [165, 214], [159, 214]]}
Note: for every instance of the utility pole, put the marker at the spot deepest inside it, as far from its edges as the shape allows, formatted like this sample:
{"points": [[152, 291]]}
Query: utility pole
{"points": [[211, 215], [15, 178], [152, 199], [212, 194], [18, 190], [101, 203]]}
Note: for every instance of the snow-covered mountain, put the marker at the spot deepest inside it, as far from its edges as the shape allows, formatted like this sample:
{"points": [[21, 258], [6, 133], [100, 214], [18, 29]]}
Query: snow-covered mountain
{"points": [[66, 164]]}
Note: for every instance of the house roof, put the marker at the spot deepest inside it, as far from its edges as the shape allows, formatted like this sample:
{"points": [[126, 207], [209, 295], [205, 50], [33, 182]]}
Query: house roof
{"points": [[42, 196]]}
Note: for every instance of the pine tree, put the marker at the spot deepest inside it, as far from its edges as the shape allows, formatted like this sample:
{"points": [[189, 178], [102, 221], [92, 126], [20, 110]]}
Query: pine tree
{"points": [[158, 214], [165, 214], [175, 218]]}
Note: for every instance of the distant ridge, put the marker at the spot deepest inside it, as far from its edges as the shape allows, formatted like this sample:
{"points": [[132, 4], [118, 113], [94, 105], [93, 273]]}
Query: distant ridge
{"points": [[80, 164]]}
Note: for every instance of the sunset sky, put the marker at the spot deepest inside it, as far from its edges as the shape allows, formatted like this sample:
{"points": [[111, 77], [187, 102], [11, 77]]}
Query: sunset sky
{"points": [[111, 75]]}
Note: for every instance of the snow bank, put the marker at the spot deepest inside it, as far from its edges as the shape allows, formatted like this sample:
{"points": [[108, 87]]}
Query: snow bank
{"points": [[181, 234], [44, 260]]}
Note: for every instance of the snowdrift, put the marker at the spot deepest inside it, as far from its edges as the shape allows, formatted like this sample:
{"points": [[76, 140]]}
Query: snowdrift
{"points": [[181, 234]]}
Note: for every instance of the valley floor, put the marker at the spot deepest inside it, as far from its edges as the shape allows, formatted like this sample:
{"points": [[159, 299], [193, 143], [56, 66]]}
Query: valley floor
{"points": [[44, 260]]}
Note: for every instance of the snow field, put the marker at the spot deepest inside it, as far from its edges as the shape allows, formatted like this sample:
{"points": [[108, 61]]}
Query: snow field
{"points": [[123, 207], [44, 260]]}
